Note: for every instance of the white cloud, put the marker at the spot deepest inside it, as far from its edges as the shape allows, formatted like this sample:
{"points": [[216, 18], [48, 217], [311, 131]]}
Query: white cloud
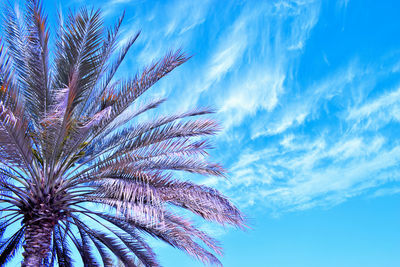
{"points": [[298, 148], [260, 70], [226, 58], [312, 173], [378, 112], [318, 148], [355, 147], [257, 91], [246, 65], [185, 16], [330, 162], [298, 109], [386, 191], [164, 26]]}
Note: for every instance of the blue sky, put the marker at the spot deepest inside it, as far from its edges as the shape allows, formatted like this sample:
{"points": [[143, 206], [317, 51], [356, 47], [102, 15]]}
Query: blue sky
{"points": [[308, 94]]}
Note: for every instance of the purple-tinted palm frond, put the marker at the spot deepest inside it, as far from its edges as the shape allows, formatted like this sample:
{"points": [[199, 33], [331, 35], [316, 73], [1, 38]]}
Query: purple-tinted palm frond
{"points": [[81, 132], [129, 133], [80, 50], [167, 149], [61, 248], [188, 227], [115, 245], [103, 251], [120, 57], [138, 246], [14, 38], [177, 236], [111, 71], [178, 164], [160, 164], [85, 249], [171, 130], [16, 146], [27, 46], [73, 148], [6, 67], [143, 141], [132, 239], [202, 200], [139, 212], [9, 248], [77, 67], [129, 91], [127, 191], [37, 93], [70, 136], [108, 47], [132, 114]]}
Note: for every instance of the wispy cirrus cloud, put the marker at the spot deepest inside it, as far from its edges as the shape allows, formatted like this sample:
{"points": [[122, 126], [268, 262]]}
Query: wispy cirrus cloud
{"points": [[331, 143], [292, 145], [268, 56], [306, 173], [378, 112], [295, 109]]}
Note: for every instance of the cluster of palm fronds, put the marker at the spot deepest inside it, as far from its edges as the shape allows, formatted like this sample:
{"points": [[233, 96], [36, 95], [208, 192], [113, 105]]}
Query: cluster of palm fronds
{"points": [[64, 145]]}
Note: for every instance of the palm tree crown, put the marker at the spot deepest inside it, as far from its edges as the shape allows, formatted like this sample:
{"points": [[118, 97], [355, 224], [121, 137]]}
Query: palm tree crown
{"points": [[64, 145]]}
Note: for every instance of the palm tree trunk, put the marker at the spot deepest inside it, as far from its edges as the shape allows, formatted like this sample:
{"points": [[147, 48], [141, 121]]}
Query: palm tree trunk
{"points": [[37, 242]]}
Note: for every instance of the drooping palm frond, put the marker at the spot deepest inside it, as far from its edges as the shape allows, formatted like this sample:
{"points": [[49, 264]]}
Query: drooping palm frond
{"points": [[9, 247], [60, 250], [16, 144], [70, 139]]}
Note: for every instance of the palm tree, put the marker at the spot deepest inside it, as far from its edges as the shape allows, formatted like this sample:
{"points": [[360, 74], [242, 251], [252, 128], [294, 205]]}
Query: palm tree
{"points": [[65, 149]]}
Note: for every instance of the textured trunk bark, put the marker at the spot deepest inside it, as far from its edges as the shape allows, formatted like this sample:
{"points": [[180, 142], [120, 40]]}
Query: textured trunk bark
{"points": [[37, 243]]}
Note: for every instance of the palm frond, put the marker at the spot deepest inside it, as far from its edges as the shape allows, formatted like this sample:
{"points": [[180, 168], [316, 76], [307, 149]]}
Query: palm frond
{"points": [[202, 200], [79, 53], [129, 91], [104, 142], [70, 136], [112, 69], [15, 143], [37, 94], [62, 250], [85, 248], [9, 248], [172, 233], [119, 250], [6, 68], [77, 68], [130, 237], [15, 33], [104, 254], [108, 47], [125, 154], [133, 240]]}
